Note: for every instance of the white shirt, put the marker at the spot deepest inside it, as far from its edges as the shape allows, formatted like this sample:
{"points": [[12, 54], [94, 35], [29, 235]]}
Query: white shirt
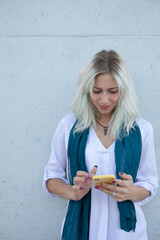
{"points": [[105, 220]]}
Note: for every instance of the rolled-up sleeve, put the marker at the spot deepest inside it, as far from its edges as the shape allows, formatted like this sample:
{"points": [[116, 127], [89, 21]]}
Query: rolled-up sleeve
{"points": [[147, 175], [56, 167]]}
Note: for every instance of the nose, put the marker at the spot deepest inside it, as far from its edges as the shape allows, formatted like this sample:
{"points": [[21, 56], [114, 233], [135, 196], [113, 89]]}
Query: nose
{"points": [[104, 98]]}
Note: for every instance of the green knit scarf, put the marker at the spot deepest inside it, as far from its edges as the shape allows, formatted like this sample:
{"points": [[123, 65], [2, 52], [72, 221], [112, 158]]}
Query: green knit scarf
{"points": [[127, 158]]}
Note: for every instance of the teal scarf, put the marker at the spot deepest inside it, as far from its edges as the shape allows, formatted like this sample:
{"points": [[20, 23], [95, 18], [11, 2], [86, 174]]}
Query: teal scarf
{"points": [[127, 158]]}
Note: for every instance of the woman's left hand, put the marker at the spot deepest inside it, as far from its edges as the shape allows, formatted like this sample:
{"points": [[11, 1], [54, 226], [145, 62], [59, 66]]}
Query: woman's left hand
{"points": [[126, 190]]}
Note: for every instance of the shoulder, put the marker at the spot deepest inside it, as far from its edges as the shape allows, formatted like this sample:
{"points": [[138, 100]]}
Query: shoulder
{"points": [[145, 126], [68, 120], [63, 129], [66, 123]]}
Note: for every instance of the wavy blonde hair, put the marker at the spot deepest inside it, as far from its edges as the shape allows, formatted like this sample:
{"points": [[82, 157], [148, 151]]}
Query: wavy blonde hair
{"points": [[126, 110]]}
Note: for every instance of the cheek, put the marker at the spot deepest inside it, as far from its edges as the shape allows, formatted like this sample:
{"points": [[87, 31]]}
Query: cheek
{"points": [[115, 98], [94, 97]]}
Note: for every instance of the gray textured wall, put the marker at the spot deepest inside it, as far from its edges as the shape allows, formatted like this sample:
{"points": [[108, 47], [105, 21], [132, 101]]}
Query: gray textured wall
{"points": [[43, 46]]}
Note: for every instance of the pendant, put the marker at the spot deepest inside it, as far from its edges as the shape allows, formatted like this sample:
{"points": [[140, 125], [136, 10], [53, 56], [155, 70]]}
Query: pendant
{"points": [[105, 130]]}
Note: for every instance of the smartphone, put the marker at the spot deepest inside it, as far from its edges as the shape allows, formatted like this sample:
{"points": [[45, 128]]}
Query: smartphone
{"points": [[102, 179]]}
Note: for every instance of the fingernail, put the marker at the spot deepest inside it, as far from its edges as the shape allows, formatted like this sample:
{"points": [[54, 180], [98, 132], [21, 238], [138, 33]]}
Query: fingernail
{"points": [[89, 176], [85, 180], [96, 166], [114, 181], [100, 184], [81, 188], [97, 187], [121, 173]]}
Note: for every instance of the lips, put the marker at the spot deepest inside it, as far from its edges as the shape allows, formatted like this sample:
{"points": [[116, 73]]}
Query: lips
{"points": [[104, 107]]}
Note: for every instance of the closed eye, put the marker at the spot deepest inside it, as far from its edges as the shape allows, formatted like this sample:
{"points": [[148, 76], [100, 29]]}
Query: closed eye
{"points": [[97, 91], [113, 91]]}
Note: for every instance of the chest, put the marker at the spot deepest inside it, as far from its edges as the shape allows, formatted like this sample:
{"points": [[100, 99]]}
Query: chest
{"points": [[100, 154], [106, 140]]}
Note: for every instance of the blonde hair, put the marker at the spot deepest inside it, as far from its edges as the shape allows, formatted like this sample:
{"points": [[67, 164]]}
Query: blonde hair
{"points": [[127, 108]]}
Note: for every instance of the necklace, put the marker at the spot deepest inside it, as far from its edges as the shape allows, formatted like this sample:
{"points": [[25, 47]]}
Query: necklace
{"points": [[105, 128]]}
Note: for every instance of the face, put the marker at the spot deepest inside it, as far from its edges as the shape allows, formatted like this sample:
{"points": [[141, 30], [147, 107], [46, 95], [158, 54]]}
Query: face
{"points": [[105, 95]]}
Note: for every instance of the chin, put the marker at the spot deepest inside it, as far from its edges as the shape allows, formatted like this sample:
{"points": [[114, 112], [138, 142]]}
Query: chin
{"points": [[106, 112]]}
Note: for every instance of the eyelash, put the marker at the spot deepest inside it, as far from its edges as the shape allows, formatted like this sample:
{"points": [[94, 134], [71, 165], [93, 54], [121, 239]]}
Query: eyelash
{"points": [[100, 92], [113, 91], [97, 91]]}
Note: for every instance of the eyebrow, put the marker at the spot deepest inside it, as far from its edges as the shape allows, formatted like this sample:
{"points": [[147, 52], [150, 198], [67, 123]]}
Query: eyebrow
{"points": [[109, 88]]}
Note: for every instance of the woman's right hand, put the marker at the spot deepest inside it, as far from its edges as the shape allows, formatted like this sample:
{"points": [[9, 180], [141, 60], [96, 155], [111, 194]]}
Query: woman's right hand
{"points": [[82, 184]]}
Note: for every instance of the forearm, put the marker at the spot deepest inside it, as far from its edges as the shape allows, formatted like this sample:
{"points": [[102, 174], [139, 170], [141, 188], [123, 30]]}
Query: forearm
{"points": [[139, 193], [82, 185], [60, 188]]}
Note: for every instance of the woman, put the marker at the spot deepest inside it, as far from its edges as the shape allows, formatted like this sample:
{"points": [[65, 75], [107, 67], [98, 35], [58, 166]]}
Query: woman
{"points": [[103, 135]]}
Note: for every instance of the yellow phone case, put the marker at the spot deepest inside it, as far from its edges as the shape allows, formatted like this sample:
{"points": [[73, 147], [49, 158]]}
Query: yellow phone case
{"points": [[102, 179]]}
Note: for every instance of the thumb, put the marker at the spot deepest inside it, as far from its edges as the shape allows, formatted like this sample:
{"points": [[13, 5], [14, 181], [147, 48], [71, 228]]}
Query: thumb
{"points": [[93, 171]]}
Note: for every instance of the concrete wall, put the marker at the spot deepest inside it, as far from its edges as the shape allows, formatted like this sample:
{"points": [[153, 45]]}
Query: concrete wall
{"points": [[43, 46]]}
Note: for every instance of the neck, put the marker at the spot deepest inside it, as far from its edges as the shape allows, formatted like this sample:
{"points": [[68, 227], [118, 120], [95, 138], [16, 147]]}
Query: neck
{"points": [[104, 120]]}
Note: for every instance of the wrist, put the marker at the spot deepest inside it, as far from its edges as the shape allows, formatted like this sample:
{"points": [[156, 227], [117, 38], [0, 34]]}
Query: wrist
{"points": [[139, 193], [72, 193], [69, 192], [134, 193]]}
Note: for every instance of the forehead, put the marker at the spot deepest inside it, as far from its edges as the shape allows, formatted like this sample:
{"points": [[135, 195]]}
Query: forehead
{"points": [[105, 80]]}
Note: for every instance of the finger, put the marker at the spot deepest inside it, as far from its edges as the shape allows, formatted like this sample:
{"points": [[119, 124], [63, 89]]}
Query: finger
{"points": [[93, 171], [77, 188], [107, 186], [86, 175], [79, 180], [125, 176], [83, 174], [122, 184], [110, 188], [118, 196], [112, 193]]}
